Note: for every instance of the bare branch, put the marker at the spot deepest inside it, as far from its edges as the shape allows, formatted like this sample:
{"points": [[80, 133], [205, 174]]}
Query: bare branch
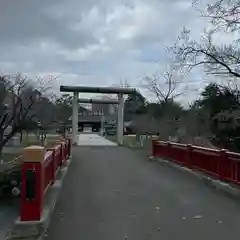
{"points": [[18, 97], [165, 86], [224, 14], [218, 60]]}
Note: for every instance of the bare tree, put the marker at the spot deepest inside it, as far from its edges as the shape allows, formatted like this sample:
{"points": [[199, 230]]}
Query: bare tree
{"points": [[19, 95], [224, 14], [166, 86], [219, 60]]}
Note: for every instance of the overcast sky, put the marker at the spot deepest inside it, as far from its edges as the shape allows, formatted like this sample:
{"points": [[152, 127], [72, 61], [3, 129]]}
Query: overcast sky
{"points": [[92, 42]]}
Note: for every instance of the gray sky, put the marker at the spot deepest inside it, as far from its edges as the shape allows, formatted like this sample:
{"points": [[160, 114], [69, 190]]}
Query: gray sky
{"points": [[93, 42]]}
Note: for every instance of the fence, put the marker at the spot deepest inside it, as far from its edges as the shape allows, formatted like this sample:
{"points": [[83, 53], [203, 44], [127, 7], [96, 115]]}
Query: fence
{"points": [[221, 164], [39, 170]]}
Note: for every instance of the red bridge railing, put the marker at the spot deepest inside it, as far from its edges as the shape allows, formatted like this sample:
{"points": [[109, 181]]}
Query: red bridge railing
{"points": [[221, 164], [39, 171]]}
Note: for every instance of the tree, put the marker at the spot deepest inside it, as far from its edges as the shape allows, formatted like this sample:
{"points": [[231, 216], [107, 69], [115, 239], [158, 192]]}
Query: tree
{"points": [[134, 104], [224, 14], [166, 85], [42, 110], [218, 107], [19, 95], [217, 98], [63, 108], [218, 110], [220, 59]]}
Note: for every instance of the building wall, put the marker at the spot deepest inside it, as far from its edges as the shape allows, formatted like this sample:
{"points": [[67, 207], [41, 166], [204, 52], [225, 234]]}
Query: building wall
{"points": [[105, 108]]}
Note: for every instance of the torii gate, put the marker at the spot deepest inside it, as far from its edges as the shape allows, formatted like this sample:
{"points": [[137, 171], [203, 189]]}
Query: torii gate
{"points": [[107, 90]]}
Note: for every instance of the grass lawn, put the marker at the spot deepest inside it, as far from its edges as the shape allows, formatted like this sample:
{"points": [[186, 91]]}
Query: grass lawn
{"points": [[32, 140], [111, 138], [28, 141], [7, 157], [128, 140]]}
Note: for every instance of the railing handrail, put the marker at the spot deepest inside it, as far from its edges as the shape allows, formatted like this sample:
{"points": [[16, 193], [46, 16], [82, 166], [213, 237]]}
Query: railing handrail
{"points": [[44, 170], [220, 163], [47, 154]]}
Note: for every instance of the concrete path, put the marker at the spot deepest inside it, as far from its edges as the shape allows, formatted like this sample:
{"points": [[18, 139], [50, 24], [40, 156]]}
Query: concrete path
{"points": [[114, 194], [91, 139]]}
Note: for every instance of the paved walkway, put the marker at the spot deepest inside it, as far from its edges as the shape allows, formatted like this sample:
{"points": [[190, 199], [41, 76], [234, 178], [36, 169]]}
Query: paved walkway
{"points": [[114, 194], [91, 139]]}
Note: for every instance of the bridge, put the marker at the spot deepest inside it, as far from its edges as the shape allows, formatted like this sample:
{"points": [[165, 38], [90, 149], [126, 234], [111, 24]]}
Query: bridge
{"points": [[112, 192], [98, 189]]}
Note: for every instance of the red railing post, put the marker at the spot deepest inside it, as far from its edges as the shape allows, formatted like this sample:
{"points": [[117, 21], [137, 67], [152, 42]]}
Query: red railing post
{"points": [[53, 165], [69, 147], [189, 155], [154, 147], [65, 150], [223, 165], [169, 149], [32, 184], [61, 162]]}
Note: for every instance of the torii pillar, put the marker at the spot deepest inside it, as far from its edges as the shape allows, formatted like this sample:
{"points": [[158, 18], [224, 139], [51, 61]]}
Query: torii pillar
{"points": [[120, 119], [75, 118]]}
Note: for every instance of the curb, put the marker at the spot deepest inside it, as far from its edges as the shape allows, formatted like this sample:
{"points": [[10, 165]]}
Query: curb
{"points": [[229, 189], [36, 230]]}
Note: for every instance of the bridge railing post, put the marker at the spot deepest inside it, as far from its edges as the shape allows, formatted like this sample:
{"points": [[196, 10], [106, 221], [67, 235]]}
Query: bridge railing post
{"points": [[69, 147], [169, 149], [32, 191], [62, 155], [54, 164], [154, 147], [223, 167], [189, 155]]}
